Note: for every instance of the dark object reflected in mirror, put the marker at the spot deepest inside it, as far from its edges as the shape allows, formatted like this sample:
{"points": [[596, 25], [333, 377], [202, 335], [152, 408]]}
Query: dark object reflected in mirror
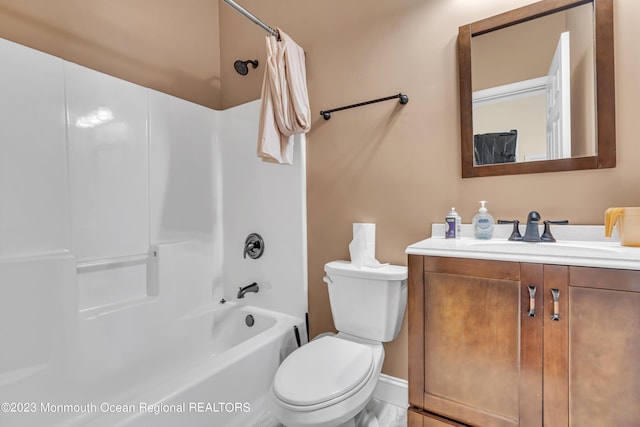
{"points": [[598, 133], [495, 147]]}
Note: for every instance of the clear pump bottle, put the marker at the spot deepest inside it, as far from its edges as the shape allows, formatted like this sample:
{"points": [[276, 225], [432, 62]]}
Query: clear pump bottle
{"points": [[483, 223]]}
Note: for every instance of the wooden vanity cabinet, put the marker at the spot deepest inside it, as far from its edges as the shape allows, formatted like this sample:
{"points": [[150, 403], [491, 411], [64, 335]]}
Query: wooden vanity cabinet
{"points": [[482, 352], [604, 347], [475, 356]]}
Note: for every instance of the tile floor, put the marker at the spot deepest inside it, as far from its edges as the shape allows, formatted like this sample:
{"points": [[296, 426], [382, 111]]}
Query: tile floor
{"points": [[388, 415]]}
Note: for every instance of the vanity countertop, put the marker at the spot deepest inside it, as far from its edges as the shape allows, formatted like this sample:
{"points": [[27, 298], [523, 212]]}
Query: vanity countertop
{"points": [[579, 245]]}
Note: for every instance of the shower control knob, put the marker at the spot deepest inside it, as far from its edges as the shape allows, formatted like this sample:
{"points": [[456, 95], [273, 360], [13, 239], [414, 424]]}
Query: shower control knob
{"points": [[253, 246]]}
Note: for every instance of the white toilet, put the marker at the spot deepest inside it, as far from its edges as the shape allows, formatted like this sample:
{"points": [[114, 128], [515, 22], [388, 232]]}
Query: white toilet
{"points": [[330, 380]]}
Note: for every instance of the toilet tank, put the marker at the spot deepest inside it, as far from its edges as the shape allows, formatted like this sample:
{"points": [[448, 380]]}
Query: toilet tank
{"points": [[367, 302]]}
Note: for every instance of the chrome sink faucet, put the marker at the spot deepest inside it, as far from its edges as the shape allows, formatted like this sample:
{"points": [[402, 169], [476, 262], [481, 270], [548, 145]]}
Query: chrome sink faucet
{"points": [[253, 287], [532, 233]]}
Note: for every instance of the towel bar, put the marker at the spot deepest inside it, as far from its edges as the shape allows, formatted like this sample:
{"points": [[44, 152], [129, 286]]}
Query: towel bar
{"points": [[403, 100]]}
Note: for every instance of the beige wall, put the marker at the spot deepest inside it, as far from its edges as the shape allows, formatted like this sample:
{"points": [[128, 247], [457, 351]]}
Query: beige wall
{"points": [[397, 166], [516, 53], [583, 139], [168, 45]]}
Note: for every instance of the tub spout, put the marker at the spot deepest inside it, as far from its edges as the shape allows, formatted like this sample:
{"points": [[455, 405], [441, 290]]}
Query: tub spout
{"points": [[249, 288]]}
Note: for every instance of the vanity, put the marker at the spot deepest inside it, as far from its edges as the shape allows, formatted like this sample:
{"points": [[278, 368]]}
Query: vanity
{"points": [[506, 333]]}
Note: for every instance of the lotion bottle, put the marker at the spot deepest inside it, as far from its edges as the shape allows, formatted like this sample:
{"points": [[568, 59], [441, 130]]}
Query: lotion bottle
{"points": [[453, 223], [483, 223]]}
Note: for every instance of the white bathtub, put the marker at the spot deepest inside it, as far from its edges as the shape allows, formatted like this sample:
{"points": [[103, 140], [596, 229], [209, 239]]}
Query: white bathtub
{"points": [[215, 371]]}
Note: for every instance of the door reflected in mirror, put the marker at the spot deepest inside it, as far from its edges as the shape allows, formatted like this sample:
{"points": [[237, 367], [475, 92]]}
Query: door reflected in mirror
{"points": [[535, 80], [537, 89]]}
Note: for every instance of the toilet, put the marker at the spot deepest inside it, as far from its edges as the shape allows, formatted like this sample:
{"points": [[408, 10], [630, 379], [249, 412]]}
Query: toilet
{"points": [[328, 382]]}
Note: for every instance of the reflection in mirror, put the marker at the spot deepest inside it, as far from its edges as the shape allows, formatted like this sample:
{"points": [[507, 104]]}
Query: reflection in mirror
{"points": [[534, 78], [537, 89]]}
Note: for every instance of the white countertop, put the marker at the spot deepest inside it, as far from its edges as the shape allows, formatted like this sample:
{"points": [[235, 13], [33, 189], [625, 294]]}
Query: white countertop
{"points": [[579, 245]]}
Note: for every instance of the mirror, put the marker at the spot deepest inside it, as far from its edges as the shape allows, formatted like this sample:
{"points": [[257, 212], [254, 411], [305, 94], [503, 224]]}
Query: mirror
{"points": [[537, 89]]}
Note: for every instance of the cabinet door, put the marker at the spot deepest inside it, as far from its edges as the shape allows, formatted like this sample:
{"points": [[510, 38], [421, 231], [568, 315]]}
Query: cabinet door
{"points": [[476, 324], [555, 347], [604, 347]]}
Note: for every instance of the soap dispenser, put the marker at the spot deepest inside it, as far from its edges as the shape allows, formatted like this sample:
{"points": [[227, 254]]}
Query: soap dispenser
{"points": [[483, 223]]}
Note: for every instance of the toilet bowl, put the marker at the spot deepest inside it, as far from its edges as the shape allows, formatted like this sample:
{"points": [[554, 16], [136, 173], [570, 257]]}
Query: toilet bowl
{"points": [[327, 382]]}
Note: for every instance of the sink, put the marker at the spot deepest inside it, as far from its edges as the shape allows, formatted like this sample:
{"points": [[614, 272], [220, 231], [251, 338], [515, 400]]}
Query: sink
{"points": [[577, 245], [580, 249]]}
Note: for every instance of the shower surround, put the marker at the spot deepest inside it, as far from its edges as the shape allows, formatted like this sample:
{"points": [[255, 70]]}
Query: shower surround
{"points": [[123, 214]]}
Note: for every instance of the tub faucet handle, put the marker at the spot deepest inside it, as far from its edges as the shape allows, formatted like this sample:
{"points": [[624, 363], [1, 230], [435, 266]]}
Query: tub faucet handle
{"points": [[253, 246]]}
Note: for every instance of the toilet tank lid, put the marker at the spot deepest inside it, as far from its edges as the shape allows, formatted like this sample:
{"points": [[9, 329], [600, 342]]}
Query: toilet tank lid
{"points": [[386, 272]]}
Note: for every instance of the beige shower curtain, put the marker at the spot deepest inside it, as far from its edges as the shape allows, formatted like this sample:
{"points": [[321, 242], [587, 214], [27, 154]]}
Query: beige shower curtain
{"points": [[285, 101]]}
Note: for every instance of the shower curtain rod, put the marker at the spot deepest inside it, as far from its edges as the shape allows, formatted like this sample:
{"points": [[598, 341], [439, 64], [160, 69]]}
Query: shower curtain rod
{"points": [[252, 18]]}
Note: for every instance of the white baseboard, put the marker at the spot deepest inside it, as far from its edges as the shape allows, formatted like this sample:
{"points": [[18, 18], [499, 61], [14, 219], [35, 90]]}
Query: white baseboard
{"points": [[392, 390]]}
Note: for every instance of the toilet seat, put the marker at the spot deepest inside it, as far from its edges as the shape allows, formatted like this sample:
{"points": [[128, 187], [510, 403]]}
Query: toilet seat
{"points": [[322, 373]]}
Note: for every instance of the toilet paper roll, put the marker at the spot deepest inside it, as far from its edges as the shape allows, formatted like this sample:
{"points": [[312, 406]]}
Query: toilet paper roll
{"points": [[369, 231]]}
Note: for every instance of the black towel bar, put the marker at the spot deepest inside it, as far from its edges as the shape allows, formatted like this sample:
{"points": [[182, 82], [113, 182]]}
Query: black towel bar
{"points": [[403, 100]]}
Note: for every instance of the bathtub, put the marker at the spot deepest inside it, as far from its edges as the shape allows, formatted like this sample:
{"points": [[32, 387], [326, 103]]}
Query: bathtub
{"points": [[215, 371]]}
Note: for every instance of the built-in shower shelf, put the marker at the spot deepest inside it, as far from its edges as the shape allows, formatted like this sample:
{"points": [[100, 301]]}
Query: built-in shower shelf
{"points": [[122, 261], [110, 284]]}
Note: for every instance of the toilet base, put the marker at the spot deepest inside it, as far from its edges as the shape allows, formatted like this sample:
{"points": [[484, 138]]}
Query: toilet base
{"points": [[365, 418]]}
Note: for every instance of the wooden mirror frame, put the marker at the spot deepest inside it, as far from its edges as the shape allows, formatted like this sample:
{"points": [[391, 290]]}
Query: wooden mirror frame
{"points": [[604, 93]]}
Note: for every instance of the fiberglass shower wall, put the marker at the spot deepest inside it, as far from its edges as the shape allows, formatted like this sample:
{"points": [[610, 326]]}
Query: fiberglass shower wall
{"points": [[96, 173], [122, 210], [268, 199]]}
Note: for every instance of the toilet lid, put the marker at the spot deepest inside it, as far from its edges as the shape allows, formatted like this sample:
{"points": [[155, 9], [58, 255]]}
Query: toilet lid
{"points": [[322, 370]]}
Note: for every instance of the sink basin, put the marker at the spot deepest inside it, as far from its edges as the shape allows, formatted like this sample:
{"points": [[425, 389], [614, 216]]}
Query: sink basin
{"points": [[577, 245], [581, 249]]}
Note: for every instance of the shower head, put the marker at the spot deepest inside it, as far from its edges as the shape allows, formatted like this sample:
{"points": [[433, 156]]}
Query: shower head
{"points": [[242, 68]]}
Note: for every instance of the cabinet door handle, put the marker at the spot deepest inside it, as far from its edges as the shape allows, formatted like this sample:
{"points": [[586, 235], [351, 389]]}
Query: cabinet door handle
{"points": [[532, 300], [555, 293]]}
